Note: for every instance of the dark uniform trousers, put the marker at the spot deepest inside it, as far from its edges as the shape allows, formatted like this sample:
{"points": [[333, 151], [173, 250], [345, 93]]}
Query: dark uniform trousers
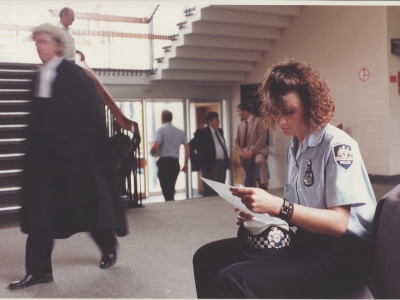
{"points": [[168, 171], [328, 267], [40, 246]]}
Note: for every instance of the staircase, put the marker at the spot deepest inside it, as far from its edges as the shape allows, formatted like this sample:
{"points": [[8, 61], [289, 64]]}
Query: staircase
{"points": [[15, 88], [220, 44], [16, 84]]}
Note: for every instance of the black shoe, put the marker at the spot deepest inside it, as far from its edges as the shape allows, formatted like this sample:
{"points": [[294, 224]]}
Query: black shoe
{"points": [[264, 186], [108, 260], [30, 280]]}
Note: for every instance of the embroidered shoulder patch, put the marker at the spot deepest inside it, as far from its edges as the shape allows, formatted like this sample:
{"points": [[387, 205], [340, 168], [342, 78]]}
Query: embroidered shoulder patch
{"points": [[343, 156]]}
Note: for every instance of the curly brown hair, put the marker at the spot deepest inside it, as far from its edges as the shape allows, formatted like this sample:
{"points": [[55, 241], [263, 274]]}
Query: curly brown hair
{"points": [[296, 76]]}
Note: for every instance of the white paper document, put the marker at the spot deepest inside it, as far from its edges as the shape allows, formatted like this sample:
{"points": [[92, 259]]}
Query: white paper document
{"points": [[223, 190]]}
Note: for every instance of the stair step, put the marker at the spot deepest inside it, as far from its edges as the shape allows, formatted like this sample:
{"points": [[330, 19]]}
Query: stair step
{"points": [[18, 66], [11, 161], [9, 210], [10, 173], [14, 105], [13, 118], [11, 141], [15, 83], [10, 177], [13, 131], [17, 74], [13, 114], [14, 94], [13, 127], [9, 196], [16, 145]]}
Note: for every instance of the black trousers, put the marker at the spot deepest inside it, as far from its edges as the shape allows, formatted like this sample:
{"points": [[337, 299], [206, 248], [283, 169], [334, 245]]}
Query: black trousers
{"points": [[39, 248], [217, 174], [168, 171], [329, 268]]}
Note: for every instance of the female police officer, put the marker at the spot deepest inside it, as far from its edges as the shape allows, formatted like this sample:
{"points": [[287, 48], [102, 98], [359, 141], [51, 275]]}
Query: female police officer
{"points": [[327, 196]]}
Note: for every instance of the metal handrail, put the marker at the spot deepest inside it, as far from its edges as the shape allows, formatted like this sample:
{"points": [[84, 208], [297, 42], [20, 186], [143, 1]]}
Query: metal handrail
{"points": [[123, 121], [131, 150]]}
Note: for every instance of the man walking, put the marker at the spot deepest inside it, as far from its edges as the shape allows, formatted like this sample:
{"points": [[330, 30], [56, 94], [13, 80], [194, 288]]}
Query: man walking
{"points": [[208, 151], [168, 140], [66, 186], [67, 17], [251, 145]]}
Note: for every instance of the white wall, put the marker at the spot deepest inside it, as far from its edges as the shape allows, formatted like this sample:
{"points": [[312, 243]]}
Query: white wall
{"points": [[339, 41], [394, 92], [133, 91]]}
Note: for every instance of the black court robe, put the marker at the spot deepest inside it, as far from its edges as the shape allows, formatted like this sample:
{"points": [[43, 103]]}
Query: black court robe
{"points": [[67, 185]]}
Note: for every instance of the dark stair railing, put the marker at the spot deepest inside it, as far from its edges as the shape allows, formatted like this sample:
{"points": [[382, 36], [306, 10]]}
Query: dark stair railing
{"points": [[124, 137]]}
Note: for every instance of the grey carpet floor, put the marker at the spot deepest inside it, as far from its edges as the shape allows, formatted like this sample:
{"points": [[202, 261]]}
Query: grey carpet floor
{"points": [[154, 260]]}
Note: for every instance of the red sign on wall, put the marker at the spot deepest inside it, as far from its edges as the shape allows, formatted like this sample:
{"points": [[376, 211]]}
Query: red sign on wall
{"points": [[363, 74]]}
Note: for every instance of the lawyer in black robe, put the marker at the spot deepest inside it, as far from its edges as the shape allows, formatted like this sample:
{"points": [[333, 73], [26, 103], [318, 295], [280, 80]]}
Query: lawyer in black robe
{"points": [[67, 186]]}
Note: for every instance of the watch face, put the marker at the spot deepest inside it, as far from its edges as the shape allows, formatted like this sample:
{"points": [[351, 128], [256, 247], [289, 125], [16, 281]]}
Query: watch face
{"points": [[275, 237]]}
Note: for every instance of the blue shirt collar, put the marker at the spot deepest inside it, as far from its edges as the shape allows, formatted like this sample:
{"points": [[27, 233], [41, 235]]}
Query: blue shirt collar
{"points": [[311, 140]]}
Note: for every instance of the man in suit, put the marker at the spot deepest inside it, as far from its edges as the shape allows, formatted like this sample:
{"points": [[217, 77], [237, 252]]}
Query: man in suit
{"points": [[208, 151], [66, 186], [251, 145]]}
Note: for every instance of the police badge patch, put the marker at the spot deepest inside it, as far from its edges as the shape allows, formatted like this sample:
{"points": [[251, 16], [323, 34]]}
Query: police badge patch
{"points": [[343, 156]]}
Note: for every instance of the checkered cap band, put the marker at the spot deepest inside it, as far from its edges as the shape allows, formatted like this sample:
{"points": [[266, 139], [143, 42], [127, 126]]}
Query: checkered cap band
{"points": [[263, 243]]}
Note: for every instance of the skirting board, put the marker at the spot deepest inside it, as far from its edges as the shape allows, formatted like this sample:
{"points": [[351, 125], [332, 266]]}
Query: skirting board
{"points": [[384, 179]]}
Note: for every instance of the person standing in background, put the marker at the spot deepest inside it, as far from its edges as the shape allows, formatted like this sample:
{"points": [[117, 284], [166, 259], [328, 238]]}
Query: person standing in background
{"points": [[67, 17], [168, 140], [208, 151], [251, 146]]}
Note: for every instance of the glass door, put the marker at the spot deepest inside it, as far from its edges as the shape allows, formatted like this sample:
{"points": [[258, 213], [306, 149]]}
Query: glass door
{"points": [[188, 115]]}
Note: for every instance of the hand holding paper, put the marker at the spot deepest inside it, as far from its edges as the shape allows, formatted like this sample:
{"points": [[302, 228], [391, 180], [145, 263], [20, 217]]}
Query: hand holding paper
{"points": [[225, 193]]}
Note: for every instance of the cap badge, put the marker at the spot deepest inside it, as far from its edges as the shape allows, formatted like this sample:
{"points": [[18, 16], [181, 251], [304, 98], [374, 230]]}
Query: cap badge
{"points": [[276, 237]]}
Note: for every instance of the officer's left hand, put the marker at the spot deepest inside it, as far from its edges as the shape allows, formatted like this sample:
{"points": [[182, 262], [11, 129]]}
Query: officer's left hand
{"points": [[242, 216], [258, 200]]}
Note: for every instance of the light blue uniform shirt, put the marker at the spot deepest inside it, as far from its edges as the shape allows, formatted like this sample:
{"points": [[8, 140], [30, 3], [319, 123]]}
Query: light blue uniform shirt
{"points": [[170, 139], [339, 177]]}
